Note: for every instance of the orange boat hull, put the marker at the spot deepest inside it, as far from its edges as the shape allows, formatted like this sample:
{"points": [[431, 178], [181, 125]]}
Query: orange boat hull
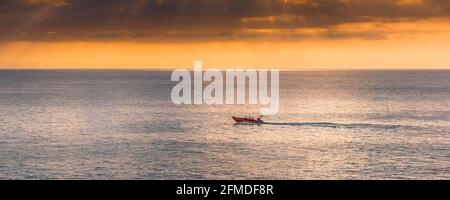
{"points": [[241, 120]]}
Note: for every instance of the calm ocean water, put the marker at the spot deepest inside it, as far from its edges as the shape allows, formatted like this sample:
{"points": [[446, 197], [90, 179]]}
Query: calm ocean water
{"points": [[123, 125]]}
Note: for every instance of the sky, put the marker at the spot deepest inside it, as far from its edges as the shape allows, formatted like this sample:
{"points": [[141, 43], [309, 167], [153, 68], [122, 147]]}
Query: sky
{"points": [[286, 34]]}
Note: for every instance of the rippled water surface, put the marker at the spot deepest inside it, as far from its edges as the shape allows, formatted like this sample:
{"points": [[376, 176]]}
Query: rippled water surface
{"points": [[123, 125]]}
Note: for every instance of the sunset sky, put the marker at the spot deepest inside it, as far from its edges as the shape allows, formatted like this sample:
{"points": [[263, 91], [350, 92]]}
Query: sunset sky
{"points": [[304, 34]]}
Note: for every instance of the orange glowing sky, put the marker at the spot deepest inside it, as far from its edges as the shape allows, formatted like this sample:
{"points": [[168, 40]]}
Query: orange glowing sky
{"points": [[146, 34]]}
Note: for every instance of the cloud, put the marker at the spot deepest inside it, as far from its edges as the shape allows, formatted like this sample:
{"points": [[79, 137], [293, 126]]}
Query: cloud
{"points": [[169, 20]]}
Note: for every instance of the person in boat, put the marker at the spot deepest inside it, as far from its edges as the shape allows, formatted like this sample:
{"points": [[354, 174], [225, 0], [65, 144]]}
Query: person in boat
{"points": [[259, 119]]}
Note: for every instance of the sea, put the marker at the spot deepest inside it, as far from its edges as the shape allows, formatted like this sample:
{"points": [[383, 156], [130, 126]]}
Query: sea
{"points": [[119, 124]]}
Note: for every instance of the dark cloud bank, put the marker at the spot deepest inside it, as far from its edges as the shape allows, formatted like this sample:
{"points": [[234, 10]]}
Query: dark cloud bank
{"points": [[160, 20]]}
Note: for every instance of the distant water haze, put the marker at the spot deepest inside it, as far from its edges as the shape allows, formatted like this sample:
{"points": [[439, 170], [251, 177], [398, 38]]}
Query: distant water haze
{"points": [[58, 124]]}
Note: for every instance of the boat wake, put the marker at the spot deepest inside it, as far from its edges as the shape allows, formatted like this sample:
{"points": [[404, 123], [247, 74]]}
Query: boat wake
{"points": [[334, 125]]}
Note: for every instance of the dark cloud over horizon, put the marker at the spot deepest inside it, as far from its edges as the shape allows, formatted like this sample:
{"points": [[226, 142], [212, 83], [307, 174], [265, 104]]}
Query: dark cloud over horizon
{"points": [[160, 20]]}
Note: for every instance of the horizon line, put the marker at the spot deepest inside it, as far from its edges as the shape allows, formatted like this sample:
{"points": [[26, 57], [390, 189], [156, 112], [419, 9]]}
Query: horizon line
{"points": [[222, 69]]}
